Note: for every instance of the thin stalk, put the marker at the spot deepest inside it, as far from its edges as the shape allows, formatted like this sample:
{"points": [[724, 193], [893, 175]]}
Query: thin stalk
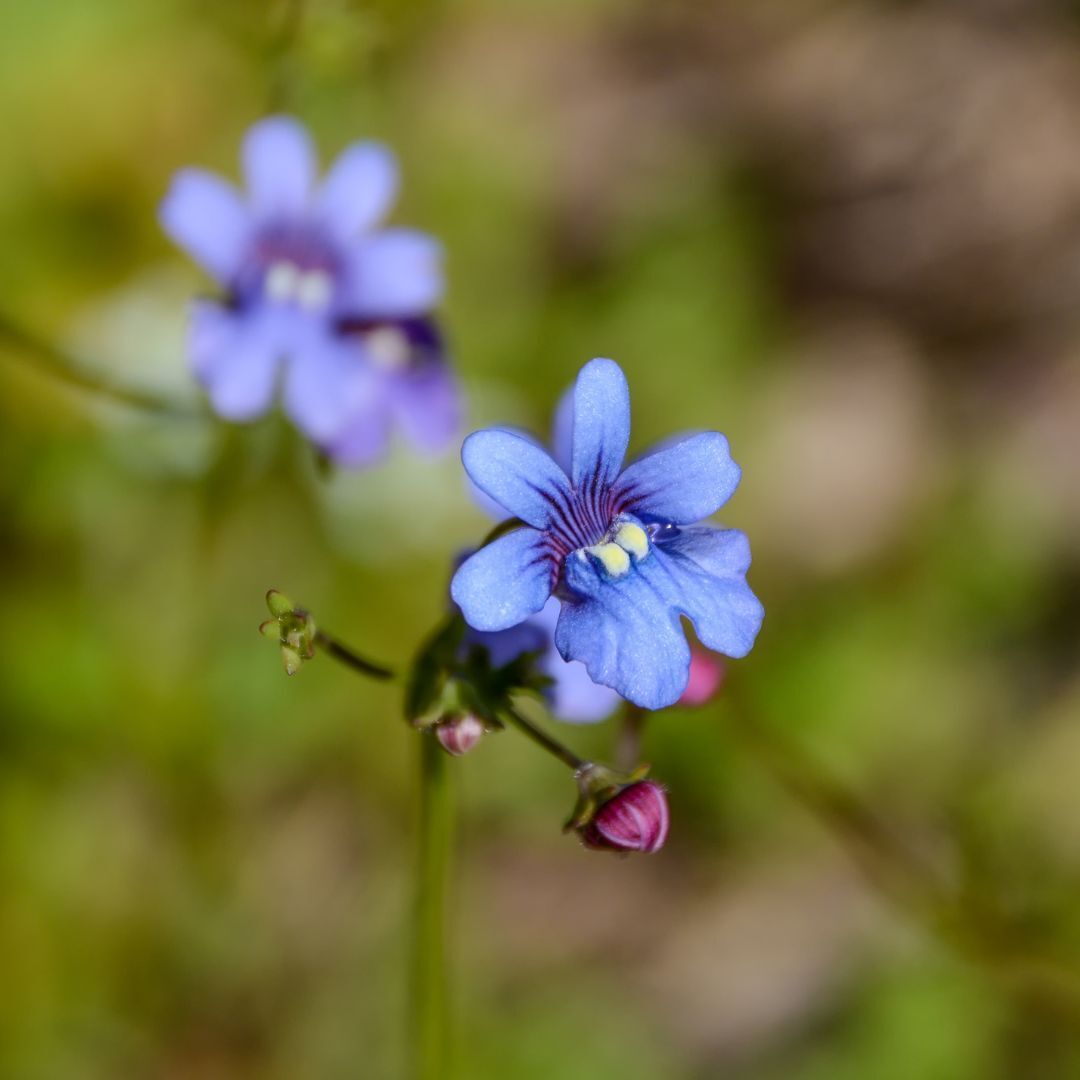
{"points": [[434, 855], [342, 653], [63, 366], [628, 746], [283, 58], [543, 739]]}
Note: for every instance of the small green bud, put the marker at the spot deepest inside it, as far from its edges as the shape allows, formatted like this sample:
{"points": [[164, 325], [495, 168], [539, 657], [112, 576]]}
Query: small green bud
{"points": [[292, 628], [279, 604]]}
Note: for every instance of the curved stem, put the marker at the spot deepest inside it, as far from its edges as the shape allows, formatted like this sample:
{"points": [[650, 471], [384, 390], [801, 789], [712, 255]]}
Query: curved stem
{"points": [[342, 653], [60, 365], [429, 971], [543, 739]]}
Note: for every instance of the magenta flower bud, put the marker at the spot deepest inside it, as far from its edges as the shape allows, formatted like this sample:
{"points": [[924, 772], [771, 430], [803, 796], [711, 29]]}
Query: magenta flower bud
{"points": [[707, 673], [459, 734], [635, 818]]}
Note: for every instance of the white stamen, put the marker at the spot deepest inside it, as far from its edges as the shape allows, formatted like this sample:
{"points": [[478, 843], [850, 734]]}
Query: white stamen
{"points": [[281, 282], [388, 348], [314, 290]]}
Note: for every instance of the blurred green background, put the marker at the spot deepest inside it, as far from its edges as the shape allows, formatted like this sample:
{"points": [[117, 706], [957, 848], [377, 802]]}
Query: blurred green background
{"points": [[845, 233]]}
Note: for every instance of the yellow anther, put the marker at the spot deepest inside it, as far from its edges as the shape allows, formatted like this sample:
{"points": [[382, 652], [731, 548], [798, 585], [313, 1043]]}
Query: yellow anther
{"points": [[281, 281], [314, 290], [632, 538], [614, 560]]}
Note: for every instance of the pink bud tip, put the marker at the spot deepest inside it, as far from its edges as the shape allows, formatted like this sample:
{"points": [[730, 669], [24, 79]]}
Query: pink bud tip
{"points": [[634, 819], [459, 734], [707, 673]]}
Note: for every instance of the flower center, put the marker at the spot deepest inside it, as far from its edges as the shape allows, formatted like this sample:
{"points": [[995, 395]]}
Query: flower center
{"points": [[291, 264], [625, 544], [285, 283]]}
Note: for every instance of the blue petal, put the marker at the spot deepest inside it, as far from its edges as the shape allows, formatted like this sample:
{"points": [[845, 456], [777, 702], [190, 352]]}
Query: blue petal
{"points": [[393, 274], [279, 164], [365, 436], [359, 189], [519, 475], [506, 645], [427, 404], [505, 582], [625, 632], [235, 358], [325, 383], [682, 483], [572, 695], [601, 422], [205, 216], [706, 579]]}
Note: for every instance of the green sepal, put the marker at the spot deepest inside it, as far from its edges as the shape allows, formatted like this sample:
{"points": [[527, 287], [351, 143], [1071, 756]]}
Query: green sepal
{"points": [[597, 784], [279, 604]]}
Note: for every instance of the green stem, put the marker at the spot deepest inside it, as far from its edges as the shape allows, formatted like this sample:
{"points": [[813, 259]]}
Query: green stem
{"points": [[543, 739], [60, 365], [429, 989], [628, 746], [342, 653]]}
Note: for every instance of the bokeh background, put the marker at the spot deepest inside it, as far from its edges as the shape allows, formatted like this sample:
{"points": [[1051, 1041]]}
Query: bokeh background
{"points": [[845, 233]]}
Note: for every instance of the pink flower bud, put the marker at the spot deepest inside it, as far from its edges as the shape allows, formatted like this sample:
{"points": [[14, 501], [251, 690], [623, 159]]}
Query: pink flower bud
{"points": [[634, 819], [459, 734], [707, 673]]}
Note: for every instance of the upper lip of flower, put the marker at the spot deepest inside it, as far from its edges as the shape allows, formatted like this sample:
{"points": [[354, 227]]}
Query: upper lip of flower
{"points": [[614, 593]]}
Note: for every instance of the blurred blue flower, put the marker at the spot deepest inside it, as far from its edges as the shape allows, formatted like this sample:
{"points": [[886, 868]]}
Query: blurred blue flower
{"points": [[571, 695], [618, 547], [313, 284]]}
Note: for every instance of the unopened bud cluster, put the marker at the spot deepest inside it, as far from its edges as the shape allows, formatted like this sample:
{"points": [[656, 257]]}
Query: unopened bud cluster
{"points": [[292, 628]]}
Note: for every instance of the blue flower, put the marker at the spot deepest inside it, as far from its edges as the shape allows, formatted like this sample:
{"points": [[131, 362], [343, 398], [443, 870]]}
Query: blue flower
{"points": [[619, 548], [571, 695], [313, 285]]}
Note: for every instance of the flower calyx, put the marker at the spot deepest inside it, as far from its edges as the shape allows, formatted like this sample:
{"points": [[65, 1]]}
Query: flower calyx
{"points": [[292, 628]]}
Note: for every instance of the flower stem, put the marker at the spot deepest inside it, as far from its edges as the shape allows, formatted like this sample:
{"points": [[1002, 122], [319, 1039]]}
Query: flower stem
{"points": [[542, 738], [429, 986], [332, 647], [60, 365], [628, 746]]}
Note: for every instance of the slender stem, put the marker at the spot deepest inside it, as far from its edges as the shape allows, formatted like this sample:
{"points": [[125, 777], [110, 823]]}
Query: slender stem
{"points": [[283, 56], [542, 738], [60, 365], [332, 647], [429, 987], [628, 746]]}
